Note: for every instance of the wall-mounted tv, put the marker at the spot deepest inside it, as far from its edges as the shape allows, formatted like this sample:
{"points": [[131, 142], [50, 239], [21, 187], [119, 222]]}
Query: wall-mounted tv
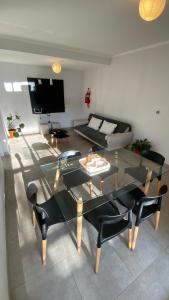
{"points": [[46, 95]]}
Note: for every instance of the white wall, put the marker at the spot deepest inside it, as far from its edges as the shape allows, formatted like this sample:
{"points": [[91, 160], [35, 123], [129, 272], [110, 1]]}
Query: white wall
{"points": [[11, 102], [133, 88], [4, 148], [3, 258]]}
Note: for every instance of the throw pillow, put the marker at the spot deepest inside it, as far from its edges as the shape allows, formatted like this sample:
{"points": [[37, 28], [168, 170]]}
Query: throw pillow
{"points": [[107, 127], [94, 123]]}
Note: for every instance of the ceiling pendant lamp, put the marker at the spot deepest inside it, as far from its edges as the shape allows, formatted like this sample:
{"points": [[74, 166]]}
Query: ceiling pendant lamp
{"points": [[150, 10], [56, 67]]}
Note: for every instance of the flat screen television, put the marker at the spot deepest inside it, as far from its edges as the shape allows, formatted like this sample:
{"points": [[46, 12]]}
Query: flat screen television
{"points": [[46, 95]]}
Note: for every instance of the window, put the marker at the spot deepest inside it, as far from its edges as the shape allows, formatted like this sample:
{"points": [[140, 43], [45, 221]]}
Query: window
{"points": [[18, 86]]}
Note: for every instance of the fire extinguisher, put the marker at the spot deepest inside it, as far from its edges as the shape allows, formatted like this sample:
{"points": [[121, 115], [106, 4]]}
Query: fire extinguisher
{"points": [[87, 97]]}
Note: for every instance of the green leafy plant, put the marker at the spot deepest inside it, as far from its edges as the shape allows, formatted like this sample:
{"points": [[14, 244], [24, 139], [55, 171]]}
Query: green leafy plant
{"points": [[140, 145], [14, 125]]}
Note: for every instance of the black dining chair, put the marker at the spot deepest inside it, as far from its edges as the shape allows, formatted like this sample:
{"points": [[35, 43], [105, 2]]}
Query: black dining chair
{"points": [[75, 176], [48, 213], [144, 207], [113, 169], [158, 159], [140, 172], [96, 148], [109, 223]]}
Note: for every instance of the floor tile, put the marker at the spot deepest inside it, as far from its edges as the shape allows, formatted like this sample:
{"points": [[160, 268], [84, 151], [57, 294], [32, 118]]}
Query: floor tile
{"points": [[57, 283], [152, 283]]}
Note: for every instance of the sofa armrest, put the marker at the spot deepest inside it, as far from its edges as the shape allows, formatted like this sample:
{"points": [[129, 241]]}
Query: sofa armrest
{"points": [[118, 140], [79, 122]]}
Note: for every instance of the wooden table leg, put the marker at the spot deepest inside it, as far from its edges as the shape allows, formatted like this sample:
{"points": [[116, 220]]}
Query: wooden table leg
{"points": [[90, 188], [116, 180], [101, 187], [158, 186], [116, 164], [52, 138], [147, 184], [79, 222], [57, 175]]}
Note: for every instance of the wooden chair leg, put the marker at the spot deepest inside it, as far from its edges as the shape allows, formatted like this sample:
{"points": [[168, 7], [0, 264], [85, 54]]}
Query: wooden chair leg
{"points": [[98, 253], [130, 238], [79, 223], [157, 219], [44, 247], [135, 237], [158, 186], [33, 218]]}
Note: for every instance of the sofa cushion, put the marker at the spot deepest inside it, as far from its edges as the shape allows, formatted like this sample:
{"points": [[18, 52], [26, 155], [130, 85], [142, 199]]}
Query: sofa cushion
{"points": [[94, 135], [121, 126], [94, 123], [107, 127]]}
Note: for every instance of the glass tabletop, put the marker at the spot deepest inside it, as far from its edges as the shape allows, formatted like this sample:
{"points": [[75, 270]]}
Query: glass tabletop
{"points": [[97, 178]]}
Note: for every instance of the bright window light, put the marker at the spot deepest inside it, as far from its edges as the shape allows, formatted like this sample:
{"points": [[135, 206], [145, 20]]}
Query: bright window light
{"points": [[8, 86], [18, 86]]}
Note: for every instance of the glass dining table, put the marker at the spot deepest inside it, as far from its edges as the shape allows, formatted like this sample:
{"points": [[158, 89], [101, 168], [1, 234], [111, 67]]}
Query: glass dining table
{"points": [[97, 178]]}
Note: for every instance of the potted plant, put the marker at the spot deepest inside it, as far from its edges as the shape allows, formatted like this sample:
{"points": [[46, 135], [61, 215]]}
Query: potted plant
{"points": [[140, 145], [14, 125]]}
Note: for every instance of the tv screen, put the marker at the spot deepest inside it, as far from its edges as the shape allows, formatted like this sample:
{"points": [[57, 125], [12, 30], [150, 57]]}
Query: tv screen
{"points": [[46, 95]]}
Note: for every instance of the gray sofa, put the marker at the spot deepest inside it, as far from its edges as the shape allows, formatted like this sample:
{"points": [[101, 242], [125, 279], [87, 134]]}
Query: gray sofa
{"points": [[121, 137]]}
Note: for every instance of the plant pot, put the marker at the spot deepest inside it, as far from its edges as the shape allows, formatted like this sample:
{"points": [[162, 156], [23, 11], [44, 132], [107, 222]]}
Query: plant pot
{"points": [[11, 133], [137, 151]]}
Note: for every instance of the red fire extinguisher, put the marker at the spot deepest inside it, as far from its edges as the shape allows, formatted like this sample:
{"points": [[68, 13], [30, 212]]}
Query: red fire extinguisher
{"points": [[87, 97]]}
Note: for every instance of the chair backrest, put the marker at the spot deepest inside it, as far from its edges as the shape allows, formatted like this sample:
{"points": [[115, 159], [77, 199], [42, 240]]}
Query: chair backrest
{"points": [[69, 154], [107, 219], [31, 193], [148, 201], [154, 156], [42, 213], [116, 215], [96, 148]]}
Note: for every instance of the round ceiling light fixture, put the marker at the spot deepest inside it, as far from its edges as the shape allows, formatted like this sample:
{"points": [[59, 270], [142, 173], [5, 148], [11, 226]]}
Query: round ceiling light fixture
{"points": [[150, 10], [56, 67]]}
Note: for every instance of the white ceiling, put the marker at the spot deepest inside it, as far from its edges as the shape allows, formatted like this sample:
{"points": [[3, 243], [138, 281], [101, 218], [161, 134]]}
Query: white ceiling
{"points": [[8, 56], [100, 27]]}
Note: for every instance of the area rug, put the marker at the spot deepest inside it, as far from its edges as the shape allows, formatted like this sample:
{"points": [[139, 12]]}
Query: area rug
{"points": [[59, 133]]}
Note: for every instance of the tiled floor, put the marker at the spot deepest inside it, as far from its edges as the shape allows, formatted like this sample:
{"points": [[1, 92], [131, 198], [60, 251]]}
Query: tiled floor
{"points": [[123, 274]]}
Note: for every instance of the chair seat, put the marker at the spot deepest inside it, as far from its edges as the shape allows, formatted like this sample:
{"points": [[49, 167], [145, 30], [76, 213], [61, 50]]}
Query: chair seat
{"points": [[53, 211], [110, 230], [75, 178], [129, 195], [52, 207], [139, 173]]}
